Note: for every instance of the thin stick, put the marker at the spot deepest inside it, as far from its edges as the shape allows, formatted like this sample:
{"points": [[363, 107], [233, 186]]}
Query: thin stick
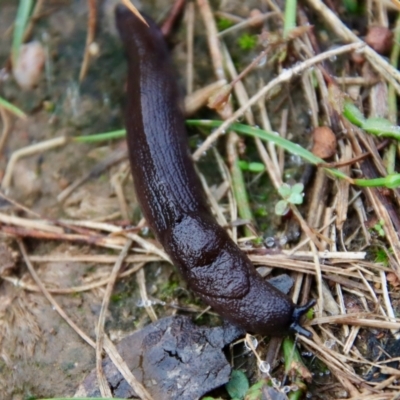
{"points": [[50, 298], [6, 119], [350, 319], [103, 384], [118, 361], [141, 281], [285, 76], [212, 37], [74, 289], [388, 303], [92, 17], [28, 151], [190, 17], [378, 62], [318, 277]]}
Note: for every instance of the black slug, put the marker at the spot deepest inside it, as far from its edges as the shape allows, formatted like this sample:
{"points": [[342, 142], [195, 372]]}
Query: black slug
{"points": [[173, 201]]}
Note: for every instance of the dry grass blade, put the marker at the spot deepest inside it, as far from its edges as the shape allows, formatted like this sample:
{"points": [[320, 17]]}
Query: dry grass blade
{"points": [[75, 289], [378, 62], [103, 384], [119, 362], [50, 298], [285, 76], [28, 151], [134, 10], [6, 121], [92, 17], [355, 320]]}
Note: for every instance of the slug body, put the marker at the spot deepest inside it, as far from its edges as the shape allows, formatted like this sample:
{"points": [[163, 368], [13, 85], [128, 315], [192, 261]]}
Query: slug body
{"points": [[173, 201]]}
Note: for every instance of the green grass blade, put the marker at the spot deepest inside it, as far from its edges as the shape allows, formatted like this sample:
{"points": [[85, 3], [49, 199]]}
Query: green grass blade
{"points": [[290, 17], [391, 181], [13, 109], [21, 20], [99, 137], [374, 125], [273, 137], [241, 196], [353, 114]]}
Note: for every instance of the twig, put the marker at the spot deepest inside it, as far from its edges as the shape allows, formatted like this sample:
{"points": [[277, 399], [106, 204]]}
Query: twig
{"points": [[388, 303], [74, 289], [350, 319], [141, 281], [6, 120], [50, 298], [91, 29], [212, 37], [28, 151], [285, 76], [119, 362], [376, 61], [103, 384], [248, 22], [40, 225]]}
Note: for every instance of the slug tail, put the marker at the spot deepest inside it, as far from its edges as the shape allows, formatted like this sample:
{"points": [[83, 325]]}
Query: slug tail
{"points": [[298, 312]]}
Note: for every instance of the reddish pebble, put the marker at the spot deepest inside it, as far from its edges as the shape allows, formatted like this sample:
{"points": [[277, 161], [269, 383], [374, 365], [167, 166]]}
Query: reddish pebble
{"points": [[324, 142], [380, 39]]}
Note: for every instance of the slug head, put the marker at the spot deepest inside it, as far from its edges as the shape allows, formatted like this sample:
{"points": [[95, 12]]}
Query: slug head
{"points": [[298, 312]]}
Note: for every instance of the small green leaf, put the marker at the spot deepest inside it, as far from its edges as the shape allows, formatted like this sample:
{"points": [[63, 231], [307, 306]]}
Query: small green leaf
{"points": [[353, 114], [247, 42], [281, 207], [285, 190], [379, 228], [381, 257], [224, 23], [238, 385], [297, 188], [310, 314], [295, 198], [261, 212], [243, 165], [381, 127], [256, 167]]}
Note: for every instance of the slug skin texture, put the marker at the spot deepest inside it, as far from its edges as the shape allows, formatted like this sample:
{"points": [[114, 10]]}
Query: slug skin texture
{"points": [[172, 198]]}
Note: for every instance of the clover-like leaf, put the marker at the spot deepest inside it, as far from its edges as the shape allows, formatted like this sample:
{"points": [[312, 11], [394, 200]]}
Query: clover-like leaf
{"points": [[285, 190], [295, 198], [281, 207], [298, 188]]}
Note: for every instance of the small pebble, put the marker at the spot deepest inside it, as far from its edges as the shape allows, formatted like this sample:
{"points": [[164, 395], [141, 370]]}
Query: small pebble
{"points": [[29, 66], [324, 142], [380, 39]]}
